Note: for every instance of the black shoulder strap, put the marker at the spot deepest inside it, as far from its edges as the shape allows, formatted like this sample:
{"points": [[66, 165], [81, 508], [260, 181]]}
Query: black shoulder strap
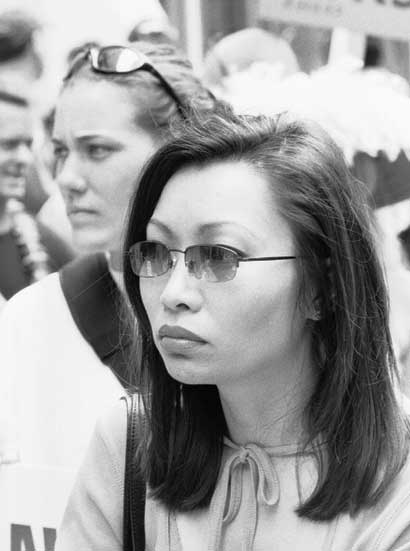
{"points": [[95, 301], [134, 486]]}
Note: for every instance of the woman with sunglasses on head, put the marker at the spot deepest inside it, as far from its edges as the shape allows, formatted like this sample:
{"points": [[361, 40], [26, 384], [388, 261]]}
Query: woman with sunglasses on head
{"points": [[62, 338], [270, 419]]}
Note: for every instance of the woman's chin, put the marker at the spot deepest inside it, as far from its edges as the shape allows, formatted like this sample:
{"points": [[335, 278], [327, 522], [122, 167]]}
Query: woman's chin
{"points": [[188, 373]]}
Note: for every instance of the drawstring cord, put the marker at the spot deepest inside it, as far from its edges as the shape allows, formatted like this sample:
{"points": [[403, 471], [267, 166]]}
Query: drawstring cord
{"points": [[227, 499]]}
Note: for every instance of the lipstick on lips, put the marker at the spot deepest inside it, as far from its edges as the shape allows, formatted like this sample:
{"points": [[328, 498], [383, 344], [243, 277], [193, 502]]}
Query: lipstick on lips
{"points": [[177, 340]]}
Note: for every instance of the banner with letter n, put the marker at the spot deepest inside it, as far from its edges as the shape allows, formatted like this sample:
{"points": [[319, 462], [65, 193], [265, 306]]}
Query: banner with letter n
{"points": [[32, 502], [385, 18]]}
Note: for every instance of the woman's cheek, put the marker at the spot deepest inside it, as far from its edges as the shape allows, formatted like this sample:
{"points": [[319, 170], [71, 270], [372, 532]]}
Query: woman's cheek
{"points": [[150, 296]]}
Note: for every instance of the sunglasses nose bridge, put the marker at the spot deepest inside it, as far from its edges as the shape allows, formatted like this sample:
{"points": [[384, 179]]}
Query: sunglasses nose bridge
{"points": [[92, 54], [173, 258], [189, 264]]}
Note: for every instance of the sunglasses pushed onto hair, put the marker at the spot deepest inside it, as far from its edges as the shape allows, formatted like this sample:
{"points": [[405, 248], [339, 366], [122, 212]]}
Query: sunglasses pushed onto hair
{"points": [[214, 263], [119, 60]]}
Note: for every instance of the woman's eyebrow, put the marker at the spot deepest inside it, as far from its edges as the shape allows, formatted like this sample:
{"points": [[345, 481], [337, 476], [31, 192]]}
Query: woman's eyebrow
{"points": [[228, 224], [161, 226], [86, 136], [208, 227]]}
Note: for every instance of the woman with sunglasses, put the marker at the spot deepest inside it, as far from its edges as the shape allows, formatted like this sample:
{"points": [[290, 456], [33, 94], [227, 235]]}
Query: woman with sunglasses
{"points": [[271, 417], [62, 339]]}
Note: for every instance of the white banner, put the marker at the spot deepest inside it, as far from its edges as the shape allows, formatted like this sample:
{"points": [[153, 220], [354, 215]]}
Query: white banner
{"points": [[32, 502], [387, 18]]}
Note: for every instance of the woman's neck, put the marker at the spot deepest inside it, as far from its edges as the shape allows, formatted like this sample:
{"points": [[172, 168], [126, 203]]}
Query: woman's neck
{"points": [[269, 408], [114, 270]]}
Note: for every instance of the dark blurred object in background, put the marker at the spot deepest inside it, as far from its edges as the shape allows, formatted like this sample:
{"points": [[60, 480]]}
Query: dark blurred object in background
{"points": [[17, 51], [388, 182], [20, 67], [372, 54], [404, 238]]}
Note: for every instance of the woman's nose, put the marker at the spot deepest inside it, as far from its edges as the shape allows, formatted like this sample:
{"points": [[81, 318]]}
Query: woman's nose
{"points": [[69, 177], [182, 290]]}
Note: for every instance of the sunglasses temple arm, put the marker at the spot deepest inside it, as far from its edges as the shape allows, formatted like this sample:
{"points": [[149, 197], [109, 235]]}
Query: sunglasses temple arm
{"points": [[170, 91], [76, 62], [266, 258]]}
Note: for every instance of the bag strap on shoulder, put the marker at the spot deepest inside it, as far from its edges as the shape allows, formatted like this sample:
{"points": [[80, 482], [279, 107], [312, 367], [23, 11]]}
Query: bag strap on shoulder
{"points": [[95, 303], [134, 486]]}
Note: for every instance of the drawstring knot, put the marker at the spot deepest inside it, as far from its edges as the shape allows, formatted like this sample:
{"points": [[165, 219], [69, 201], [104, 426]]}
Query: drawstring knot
{"points": [[227, 499], [243, 454]]}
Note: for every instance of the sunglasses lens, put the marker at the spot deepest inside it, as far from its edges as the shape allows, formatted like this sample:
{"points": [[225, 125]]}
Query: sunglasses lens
{"points": [[212, 262], [117, 59], [149, 259]]}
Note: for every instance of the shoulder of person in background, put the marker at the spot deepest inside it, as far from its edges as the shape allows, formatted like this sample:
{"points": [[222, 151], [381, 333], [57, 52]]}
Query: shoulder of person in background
{"points": [[52, 368], [93, 518]]}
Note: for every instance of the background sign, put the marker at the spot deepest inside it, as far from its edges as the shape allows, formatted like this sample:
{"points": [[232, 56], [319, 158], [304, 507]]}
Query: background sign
{"points": [[387, 18], [32, 502]]}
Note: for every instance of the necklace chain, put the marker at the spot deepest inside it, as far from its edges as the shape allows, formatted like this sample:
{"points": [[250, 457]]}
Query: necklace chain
{"points": [[33, 255]]}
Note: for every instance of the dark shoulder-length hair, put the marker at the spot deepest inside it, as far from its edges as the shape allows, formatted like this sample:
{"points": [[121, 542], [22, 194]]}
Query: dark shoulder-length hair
{"points": [[353, 408]]}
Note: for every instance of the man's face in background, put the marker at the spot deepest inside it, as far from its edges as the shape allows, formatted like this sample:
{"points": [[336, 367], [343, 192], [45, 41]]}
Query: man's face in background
{"points": [[16, 137]]}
